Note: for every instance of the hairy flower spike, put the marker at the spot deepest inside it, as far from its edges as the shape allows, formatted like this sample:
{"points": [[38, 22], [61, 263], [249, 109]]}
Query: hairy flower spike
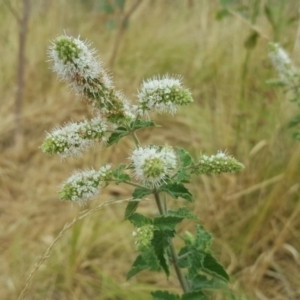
{"points": [[217, 164], [152, 164], [143, 236], [85, 185], [75, 62], [282, 63], [74, 138], [163, 95]]}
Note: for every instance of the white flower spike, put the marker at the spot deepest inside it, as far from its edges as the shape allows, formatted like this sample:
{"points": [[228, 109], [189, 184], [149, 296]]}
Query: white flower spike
{"points": [[163, 95], [153, 164]]}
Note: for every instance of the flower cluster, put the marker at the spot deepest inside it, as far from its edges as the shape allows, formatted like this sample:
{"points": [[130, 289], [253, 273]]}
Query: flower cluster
{"points": [[75, 62], [282, 63], [163, 95], [85, 185], [143, 236], [153, 164], [217, 164], [72, 139]]}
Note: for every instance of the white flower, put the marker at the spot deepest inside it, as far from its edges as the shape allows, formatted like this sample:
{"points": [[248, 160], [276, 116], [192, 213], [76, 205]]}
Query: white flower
{"points": [[163, 95], [84, 185], [74, 138], [75, 62], [153, 164], [282, 63]]}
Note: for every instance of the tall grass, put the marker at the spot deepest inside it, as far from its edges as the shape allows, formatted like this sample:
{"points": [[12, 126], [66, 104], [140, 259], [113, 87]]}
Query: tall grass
{"points": [[254, 216]]}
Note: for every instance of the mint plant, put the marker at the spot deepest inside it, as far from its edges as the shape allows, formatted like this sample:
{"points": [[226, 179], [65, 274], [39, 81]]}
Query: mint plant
{"points": [[162, 171], [289, 79]]}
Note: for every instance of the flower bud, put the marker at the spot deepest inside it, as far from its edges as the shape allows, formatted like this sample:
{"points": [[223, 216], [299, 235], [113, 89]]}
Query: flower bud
{"points": [[143, 236], [163, 95], [217, 164], [85, 185], [74, 138]]}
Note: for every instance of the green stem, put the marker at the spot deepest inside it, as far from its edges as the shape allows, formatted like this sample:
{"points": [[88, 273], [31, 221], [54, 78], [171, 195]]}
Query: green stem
{"points": [[162, 209], [135, 184], [135, 138]]}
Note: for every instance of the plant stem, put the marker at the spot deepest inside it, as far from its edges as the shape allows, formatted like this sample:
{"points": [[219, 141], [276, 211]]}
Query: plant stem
{"points": [[135, 138], [162, 210]]}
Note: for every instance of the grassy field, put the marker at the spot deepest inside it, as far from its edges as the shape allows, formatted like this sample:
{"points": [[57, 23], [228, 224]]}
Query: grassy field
{"points": [[253, 215]]}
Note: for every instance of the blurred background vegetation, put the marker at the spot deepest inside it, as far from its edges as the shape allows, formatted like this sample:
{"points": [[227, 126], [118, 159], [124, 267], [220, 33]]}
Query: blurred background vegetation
{"points": [[220, 49]]}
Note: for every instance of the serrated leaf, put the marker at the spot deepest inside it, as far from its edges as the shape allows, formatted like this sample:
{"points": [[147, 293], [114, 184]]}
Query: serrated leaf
{"points": [[138, 124], [146, 260], [251, 41], [177, 190], [183, 212], [117, 135], [195, 262], [164, 295], [203, 239], [139, 220], [185, 158], [213, 267], [201, 282], [184, 261], [196, 295], [130, 209], [161, 243], [139, 193], [138, 265], [166, 222]]}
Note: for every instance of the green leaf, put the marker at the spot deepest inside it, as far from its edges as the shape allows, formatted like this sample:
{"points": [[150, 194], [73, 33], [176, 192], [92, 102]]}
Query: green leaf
{"points": [[139, 193], [213, 267], [119, 174], [161, 243], [195, 261], [183, 212], [117, 135], [146, 260], [177, 190], [185, 158], [184, 261], [130, 209], [183, 176], [201, 282], [166, 222], [251, 41], [203, 239], [139, 220], [196, 295], [138, 266], [138, 124], [164, 295]]}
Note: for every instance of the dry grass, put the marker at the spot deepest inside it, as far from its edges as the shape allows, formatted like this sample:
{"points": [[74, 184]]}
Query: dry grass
{"points": [[253, 215]]}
